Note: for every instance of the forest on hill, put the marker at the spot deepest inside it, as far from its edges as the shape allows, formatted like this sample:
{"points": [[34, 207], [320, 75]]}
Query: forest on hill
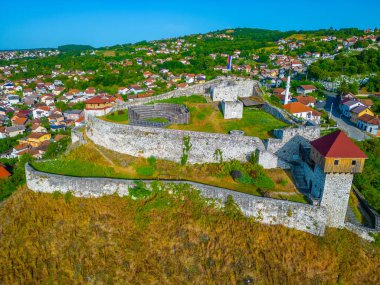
{"points": [[168, 236]]}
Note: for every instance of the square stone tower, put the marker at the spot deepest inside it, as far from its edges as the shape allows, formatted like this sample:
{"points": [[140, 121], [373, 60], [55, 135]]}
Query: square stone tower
{"points": [[334, 159], [232, 109]]}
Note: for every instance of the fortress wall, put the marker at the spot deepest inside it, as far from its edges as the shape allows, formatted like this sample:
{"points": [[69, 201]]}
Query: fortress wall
{"points": [[299, 216], [168, 144], [286, 146], [198, 89], [277, 113], [231, 90]]}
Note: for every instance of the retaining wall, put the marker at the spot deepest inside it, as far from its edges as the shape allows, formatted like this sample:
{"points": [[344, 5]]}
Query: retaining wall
{"points": [[299, 216]]}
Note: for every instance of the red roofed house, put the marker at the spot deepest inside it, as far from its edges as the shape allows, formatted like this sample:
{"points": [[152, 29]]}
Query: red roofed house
{"points": [[329, 170], [305, 89], [98, 106], [307, 100], [301, 111]]}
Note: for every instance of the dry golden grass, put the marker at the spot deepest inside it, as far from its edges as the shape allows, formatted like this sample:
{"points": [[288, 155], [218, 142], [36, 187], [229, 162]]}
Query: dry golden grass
{"points": [[109, 53], [298, 37], [166, 239]]}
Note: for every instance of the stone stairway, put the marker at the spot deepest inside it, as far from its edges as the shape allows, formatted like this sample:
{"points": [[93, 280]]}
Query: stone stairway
{"points": [[299, 178]]}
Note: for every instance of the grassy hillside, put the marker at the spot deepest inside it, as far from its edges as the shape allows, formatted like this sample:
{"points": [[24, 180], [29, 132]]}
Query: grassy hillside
{"points": [[166, 239]]}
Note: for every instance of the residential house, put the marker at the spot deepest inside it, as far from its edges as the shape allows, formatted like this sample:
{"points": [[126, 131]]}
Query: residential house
{"points": [[307, 100], [73, 115], [19, 121], [98, 106], [306, 89], [13, 99], [370, 124], [301, 111], [40, 112], [37, 128], [359, 111], [347, 105], [36, 139], [123, 90], [14, 130], [136, 89]]}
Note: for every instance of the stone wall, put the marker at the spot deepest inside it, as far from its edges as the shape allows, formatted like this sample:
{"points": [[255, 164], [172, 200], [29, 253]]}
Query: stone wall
{"points": [[278, 113], [168, 144], [363, 232], [232, 109], [199, 89], [231, 90], [299, 216], [335, 196], [77, 136], [286, 146]]}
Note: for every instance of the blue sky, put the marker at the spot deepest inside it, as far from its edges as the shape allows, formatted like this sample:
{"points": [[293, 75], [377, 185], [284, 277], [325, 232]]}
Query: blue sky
{"points": [[32, 24]]}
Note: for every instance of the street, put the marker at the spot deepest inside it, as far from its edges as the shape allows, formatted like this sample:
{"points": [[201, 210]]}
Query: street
{"points": [[343, 123]]}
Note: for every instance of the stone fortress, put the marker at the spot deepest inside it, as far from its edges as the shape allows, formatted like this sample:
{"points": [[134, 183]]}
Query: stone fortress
{"points": [[325, 183], [173, 113]]}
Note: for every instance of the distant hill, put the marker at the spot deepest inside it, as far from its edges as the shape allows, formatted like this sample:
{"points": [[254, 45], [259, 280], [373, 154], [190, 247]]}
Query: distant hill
{"points": [[75, 47]]}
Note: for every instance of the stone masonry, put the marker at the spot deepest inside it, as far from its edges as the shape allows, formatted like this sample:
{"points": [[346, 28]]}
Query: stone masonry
{"points": [[168, 144], [299, 216]]}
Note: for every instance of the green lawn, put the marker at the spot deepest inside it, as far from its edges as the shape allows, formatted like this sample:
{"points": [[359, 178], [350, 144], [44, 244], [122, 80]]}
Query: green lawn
{"points": [[207, 117], [117, 117], [157, 120]]}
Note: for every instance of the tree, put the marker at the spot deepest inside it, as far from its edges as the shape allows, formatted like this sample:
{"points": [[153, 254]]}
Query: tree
{"points": [[343, 88]]}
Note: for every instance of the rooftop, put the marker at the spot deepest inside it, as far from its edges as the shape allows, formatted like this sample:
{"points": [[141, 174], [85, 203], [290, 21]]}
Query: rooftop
{"points": [[337, 145]]}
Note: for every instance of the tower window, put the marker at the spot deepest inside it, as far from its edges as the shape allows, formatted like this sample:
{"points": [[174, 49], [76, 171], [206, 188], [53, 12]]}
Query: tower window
{"points": [[336, 162], [353, 162]]}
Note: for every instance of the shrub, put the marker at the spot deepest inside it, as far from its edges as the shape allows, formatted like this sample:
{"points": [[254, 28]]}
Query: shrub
{"points": [[236, 174], [145, 171], [283, 182], [152, 161], [263, 181], [139, 191], [245, 179]]}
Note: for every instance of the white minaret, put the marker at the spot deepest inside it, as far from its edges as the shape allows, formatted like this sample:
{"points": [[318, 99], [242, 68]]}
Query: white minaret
{"points": [[286, 101]]}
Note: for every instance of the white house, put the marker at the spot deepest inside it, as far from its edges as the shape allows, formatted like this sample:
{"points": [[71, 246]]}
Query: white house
{"points": [[306, 89], [13, 99], [40, 112], [301, 111]]}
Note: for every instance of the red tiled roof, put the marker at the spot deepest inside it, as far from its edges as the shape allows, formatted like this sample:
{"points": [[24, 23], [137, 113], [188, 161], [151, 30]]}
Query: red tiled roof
{"points": [[98, 100], [4, 173], [308, 87], [306, 99], [297, 107], [338, 145]]}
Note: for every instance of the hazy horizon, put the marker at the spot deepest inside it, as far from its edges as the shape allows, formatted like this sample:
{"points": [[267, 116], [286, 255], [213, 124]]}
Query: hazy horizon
{"points": [[42, 24]]}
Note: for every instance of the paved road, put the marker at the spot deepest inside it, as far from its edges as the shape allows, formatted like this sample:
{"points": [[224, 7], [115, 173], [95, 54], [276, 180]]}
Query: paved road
{"points": [[343, 123]]}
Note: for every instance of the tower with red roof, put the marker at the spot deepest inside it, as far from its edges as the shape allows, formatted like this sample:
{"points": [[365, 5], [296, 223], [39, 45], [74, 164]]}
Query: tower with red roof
{"points": [[334, 159]]}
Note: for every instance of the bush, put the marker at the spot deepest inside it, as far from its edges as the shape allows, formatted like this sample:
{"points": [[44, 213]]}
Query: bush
{"points": [[236, 174], [145, 171], [152, 161], [263, 181], [139, 191], [245, 179]]}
